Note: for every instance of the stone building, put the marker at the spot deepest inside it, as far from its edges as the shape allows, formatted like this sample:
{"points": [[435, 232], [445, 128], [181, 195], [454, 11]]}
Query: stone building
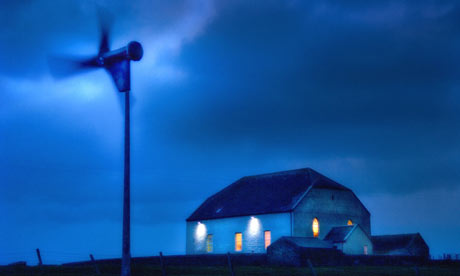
{"points": [[251, 213], [305, 207]]}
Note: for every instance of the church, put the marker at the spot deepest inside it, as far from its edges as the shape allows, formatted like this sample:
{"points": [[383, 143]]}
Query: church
{"points": [[297, 206]]}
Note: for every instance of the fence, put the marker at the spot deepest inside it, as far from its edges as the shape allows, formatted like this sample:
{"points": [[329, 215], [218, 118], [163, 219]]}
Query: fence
{"points": [[229, 261]]}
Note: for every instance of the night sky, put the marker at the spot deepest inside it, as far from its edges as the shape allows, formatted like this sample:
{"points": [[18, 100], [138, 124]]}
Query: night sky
{"points": [[366, 93]]}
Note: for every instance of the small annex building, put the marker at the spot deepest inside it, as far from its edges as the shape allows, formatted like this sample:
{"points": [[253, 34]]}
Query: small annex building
{"points": [[297, 250], [296, 211], [351, 240], [402, 245]]}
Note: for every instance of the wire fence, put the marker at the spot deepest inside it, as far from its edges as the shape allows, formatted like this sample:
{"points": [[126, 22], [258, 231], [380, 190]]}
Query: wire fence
{"points": [[56, 257], [51, 257]]}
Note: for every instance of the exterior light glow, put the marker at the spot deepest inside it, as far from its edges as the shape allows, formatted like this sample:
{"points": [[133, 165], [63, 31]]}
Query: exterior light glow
{"points": [[200, 232], [350, 222], [254, 226]]}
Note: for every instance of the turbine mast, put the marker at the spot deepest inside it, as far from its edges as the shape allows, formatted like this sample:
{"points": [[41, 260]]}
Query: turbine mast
{"points": [[126, 243]]}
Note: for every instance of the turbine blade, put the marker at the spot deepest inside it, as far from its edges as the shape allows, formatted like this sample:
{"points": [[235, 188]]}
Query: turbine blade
{"points": [[61, 66], [104, 44], [104, 23]]}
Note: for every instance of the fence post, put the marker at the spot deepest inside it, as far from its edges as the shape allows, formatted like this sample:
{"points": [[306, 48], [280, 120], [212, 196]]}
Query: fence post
{"points": [[39, 257], [162, 264], [310, 265], [94, 264], [230, 265]]}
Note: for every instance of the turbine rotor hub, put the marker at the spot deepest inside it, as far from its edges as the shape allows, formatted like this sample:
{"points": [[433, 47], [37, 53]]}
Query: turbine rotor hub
{"points": [[135, 51]]}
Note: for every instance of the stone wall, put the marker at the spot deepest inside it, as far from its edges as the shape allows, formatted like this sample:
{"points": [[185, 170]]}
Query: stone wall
{"points": [[332, 208], [223, 231]]}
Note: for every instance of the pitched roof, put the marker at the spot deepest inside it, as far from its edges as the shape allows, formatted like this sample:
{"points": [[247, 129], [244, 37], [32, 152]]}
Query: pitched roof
{"points": [[386, 243], [308, 242], [261, 194], [340, 233]]}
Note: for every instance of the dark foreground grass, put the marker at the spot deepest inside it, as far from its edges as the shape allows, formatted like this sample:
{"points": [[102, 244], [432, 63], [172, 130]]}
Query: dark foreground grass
{"points": [[138, 270]]}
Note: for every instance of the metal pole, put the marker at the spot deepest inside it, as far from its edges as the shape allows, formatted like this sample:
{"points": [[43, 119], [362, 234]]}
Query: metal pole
{"points": [[230, 265], [126, 252], [162, 264], [93, 261], [312, 269], [39, 257]]}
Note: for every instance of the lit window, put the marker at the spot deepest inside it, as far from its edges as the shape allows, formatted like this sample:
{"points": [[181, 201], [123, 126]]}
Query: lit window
{"points": [[350, 222], [209, 243], [268, 238], [365, 250], [238, 241], [315, 227]]}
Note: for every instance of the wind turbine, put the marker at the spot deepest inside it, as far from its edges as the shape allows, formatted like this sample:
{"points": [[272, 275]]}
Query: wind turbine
{"points": [[117, 64]]}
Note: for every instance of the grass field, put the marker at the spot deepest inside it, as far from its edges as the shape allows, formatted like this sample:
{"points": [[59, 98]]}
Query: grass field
{"points": [[138, 270]]}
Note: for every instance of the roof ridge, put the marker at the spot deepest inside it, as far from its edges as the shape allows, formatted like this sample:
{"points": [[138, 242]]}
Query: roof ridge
{"points": [[278, 172], [405, 234], [351, 231]]}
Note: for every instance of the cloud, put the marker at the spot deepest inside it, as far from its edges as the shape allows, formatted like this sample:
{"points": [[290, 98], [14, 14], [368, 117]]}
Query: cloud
{"points": [[364, 92], [318, 81]]}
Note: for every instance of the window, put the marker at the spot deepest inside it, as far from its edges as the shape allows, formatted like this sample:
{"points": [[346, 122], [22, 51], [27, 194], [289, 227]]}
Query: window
{"points": [[350, 222], [365, 250], [315, 227], [268, 238], [238, 241], [209, 245]]}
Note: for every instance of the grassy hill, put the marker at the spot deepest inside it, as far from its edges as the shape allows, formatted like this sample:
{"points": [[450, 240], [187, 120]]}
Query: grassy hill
{"points": [[144, 269]]}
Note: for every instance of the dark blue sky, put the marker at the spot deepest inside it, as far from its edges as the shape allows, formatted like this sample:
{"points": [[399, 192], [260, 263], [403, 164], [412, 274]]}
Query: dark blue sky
{"points": [[364, 92]]}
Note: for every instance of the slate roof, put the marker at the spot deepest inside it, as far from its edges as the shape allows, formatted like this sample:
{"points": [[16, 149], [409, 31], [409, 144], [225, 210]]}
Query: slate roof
{"points": [[262, 194], [308, 242], [387, 243], [340, 233]]}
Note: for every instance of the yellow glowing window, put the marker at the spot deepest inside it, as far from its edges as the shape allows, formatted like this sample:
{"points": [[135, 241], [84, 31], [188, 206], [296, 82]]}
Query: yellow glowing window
{"points": [[315, 227], [350, 222], [238, 241], [268, 238], [209, 244]]}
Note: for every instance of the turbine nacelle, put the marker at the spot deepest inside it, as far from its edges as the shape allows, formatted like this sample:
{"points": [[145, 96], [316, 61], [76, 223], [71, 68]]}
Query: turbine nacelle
{"points": [[132, 51], [117, 63]]}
